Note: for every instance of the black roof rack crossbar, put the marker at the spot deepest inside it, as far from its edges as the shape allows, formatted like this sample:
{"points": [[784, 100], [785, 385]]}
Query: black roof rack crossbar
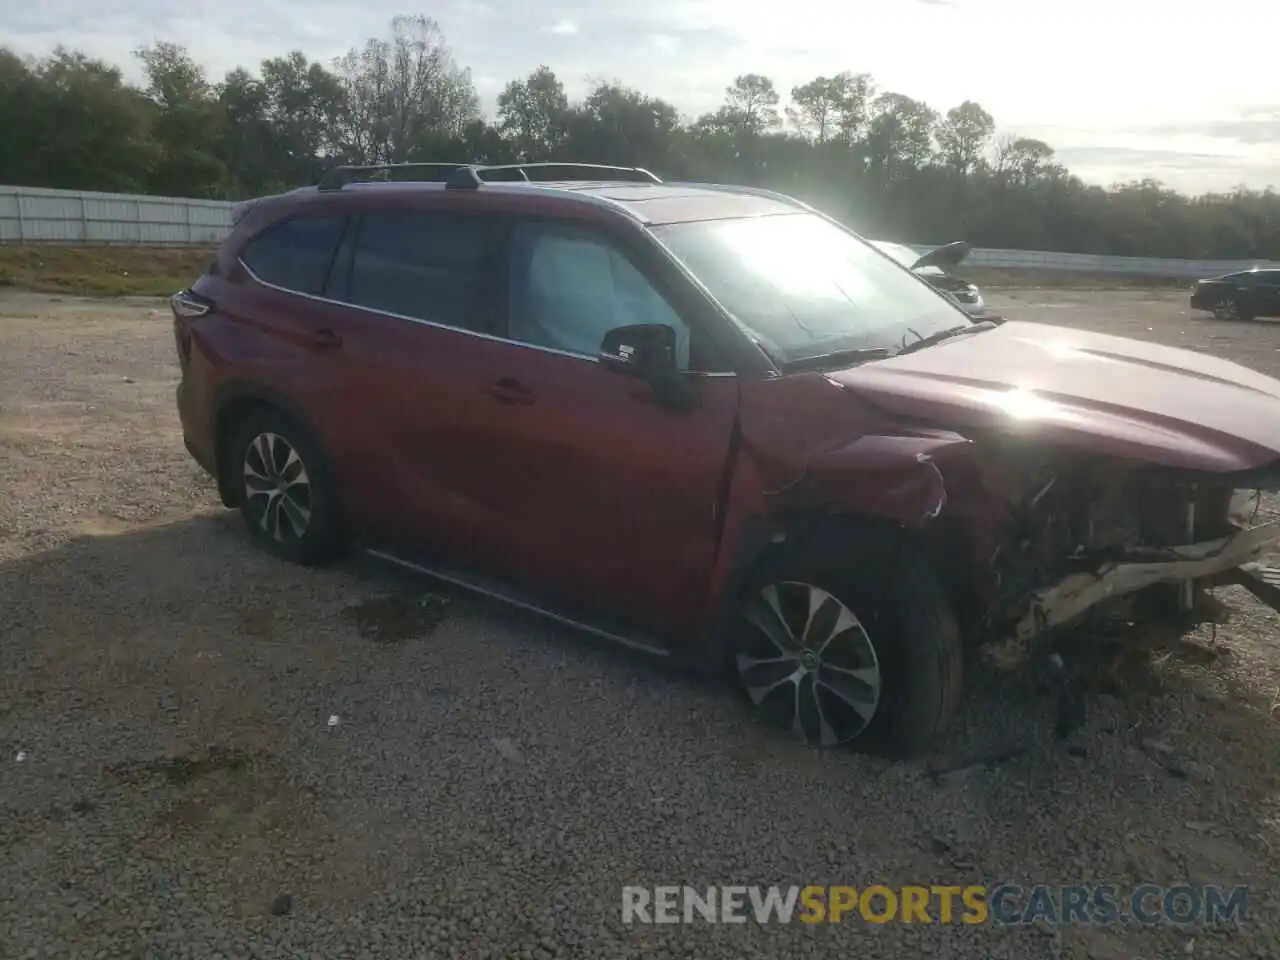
{"points": [[336, 178], [470, 177]]}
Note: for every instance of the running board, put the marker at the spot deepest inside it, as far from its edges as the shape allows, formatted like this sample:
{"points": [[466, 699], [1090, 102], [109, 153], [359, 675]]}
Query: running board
{"points": [[526, 600]]}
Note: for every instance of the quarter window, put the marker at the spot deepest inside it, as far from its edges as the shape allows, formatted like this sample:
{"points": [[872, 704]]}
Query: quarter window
{"points": [[569, 287], [295, 254], [421, 265]]}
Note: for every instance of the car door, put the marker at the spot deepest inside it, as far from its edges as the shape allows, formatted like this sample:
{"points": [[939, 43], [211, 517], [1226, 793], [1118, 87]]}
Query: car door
{"points": [[1267, 293], [610, 498], [421, 295]]}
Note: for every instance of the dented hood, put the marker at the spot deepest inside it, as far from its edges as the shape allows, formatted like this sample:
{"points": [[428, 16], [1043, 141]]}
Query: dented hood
{"points": [[1091, 391]]}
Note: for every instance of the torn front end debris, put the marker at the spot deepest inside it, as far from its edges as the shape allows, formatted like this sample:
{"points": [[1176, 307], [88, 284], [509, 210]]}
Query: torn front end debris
{"points": [[1102, 544]]}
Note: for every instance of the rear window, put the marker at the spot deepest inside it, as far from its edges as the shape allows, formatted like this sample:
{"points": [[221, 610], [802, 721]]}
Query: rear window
{"points": [[295, 254], [426, 266]]}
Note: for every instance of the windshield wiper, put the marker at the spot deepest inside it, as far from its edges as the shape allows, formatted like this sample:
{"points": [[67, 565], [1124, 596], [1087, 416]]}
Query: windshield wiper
{"points": [[941, 335], [839, 358]]}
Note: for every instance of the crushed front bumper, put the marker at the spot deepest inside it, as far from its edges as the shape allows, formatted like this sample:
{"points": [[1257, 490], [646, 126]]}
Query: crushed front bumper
{"points": [[1220, 560]]}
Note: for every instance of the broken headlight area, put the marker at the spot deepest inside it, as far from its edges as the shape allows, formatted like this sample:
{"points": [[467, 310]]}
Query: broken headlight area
{"points": [[1110, 546]]}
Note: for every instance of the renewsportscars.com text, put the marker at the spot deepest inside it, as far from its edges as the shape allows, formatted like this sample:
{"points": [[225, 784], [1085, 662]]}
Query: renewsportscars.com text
{"points": [[1003, 904]]}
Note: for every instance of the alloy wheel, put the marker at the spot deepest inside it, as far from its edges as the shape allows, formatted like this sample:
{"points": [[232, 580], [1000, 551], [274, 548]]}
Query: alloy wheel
{"points": [[277, 488], [1226, 310], [808, 663]]}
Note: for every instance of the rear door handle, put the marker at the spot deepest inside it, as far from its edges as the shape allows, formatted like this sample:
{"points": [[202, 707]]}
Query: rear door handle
{"points": [[510, 392], [324, 339]]}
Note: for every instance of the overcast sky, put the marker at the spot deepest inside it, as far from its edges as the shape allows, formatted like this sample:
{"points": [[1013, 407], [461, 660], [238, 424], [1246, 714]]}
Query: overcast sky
{"points": [[1179, 90]]}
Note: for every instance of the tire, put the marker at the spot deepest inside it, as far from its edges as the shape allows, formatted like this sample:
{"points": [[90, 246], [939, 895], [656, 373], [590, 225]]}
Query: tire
{"points": [[886, 616], [283, 484], [1230, 308]]}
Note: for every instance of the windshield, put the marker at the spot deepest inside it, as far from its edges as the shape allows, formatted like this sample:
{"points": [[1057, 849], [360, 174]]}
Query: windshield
{"points": [[804, 287], [904, 255]]}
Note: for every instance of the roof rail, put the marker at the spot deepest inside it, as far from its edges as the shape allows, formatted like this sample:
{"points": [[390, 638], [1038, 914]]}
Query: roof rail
{"points": [[335, 178], [470, 176]]}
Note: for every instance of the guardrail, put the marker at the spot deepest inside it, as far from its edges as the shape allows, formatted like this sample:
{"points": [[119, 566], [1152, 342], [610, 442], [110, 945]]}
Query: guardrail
{"points": [[37, 215], [1096, 263]]}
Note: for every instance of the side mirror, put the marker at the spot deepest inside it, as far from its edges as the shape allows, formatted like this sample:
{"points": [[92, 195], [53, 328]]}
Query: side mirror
{"points": [[645, 350], [648, 351]]}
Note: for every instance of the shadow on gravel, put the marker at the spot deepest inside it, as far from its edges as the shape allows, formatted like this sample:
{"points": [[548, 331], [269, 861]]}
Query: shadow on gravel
{"points": [[201, 703]]}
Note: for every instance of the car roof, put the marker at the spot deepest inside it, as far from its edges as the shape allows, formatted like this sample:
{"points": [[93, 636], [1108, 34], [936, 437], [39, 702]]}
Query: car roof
{"points": [[647, 203]]}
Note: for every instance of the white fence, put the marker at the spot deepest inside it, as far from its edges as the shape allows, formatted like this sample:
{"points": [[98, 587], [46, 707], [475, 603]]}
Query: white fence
{"points": [[34, 215]]}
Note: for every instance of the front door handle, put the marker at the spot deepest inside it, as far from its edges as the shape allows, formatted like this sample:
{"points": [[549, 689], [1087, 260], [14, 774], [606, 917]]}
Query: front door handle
{"points": [[510, 392], [324, 339]]}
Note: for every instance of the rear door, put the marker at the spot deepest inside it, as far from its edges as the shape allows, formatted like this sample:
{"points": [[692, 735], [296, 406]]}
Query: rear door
{"points": [[278, 326], [608, 498], [423, 296]]}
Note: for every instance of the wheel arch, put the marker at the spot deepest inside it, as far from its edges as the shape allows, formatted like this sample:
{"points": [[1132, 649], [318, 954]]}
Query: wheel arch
{"points": [[772, 541], [235, 401]]}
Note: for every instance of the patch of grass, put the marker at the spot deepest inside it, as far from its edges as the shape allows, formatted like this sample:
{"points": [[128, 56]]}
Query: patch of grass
{"points": [[1016, 277], [101, 271]]}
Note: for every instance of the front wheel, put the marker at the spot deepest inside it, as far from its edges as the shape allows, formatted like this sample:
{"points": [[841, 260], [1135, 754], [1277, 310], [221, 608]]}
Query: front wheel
{"points": [[1230, 308], [284, 489], [870, 654]]}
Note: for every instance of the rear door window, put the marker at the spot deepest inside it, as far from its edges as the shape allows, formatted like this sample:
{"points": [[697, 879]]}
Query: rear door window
{"points": [[295, 254], [424, 266]]}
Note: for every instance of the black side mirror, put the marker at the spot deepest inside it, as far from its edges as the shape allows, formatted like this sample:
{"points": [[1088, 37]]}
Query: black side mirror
{"points": [[645, 350], [648, 351]]}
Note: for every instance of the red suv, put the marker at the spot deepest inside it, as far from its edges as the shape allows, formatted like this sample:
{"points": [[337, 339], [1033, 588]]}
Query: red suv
{"points": [[713, 423]]}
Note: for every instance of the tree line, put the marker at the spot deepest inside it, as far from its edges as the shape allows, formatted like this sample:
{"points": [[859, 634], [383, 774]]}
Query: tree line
{"points": [[889, 165]]}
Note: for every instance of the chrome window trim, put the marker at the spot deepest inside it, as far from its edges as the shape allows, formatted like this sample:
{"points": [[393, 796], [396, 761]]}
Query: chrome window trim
{"points": [[439, 326]]}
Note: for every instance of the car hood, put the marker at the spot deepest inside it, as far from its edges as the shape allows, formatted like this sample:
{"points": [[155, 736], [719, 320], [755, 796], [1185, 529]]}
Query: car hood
{"points": [[1104, 394]]}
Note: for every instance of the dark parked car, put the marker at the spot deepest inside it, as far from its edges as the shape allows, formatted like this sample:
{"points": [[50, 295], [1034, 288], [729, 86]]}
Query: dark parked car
{"points": [[1240, 296], [933, 267], [712, 423]]}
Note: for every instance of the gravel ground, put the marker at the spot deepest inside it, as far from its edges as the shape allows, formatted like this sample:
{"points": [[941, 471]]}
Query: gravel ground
{"points": [[210, 753]]}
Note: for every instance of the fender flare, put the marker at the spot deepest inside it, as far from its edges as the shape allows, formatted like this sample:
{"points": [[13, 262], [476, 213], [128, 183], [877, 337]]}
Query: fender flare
{"points": [[821, 532]]}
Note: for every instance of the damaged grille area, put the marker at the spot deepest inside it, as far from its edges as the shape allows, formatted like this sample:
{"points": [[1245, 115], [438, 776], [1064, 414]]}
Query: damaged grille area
{"points": [[1075, 516]]}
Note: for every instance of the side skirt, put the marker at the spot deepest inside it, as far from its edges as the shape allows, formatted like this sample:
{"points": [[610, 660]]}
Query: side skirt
{"points": [[528, 600]]}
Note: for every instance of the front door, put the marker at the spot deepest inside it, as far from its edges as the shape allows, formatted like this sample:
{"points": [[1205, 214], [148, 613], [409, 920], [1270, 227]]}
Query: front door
{"points": [[610, 499]]}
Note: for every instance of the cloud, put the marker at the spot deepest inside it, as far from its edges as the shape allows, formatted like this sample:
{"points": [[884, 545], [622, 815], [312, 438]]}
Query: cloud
{"points": [[563, 28], [1257, 128]]}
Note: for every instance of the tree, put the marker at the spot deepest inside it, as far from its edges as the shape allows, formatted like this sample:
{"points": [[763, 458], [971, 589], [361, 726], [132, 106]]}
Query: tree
{"points": [[831, 107], [752, 103], [70, 121], [532, 113], [900, 137], [304, 104], [402, 93], [1023, 160], [619, 125], [885, 162], [186, 124], [963, 136]]}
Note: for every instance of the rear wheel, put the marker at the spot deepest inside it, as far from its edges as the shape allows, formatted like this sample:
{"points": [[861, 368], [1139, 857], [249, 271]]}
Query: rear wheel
{"points": [[283, 486], [870, 653]]}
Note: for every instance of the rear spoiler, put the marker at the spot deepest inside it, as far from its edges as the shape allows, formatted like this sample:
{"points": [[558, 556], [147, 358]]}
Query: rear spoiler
{"points": [[240, 209]]}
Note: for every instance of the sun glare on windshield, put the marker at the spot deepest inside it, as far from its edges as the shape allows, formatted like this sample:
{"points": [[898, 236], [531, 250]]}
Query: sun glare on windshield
{"points": [[807, 287]]}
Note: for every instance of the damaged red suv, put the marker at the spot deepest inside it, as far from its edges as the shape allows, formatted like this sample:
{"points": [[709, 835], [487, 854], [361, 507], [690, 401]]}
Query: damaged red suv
{"points": [[713, 423]]}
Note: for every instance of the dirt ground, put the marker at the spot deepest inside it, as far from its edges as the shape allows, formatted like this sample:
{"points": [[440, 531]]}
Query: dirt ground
{"points": [[208, 752]]}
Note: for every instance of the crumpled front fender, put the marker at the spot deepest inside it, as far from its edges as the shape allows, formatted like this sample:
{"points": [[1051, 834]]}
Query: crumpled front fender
{"points": [[902, 478]]}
